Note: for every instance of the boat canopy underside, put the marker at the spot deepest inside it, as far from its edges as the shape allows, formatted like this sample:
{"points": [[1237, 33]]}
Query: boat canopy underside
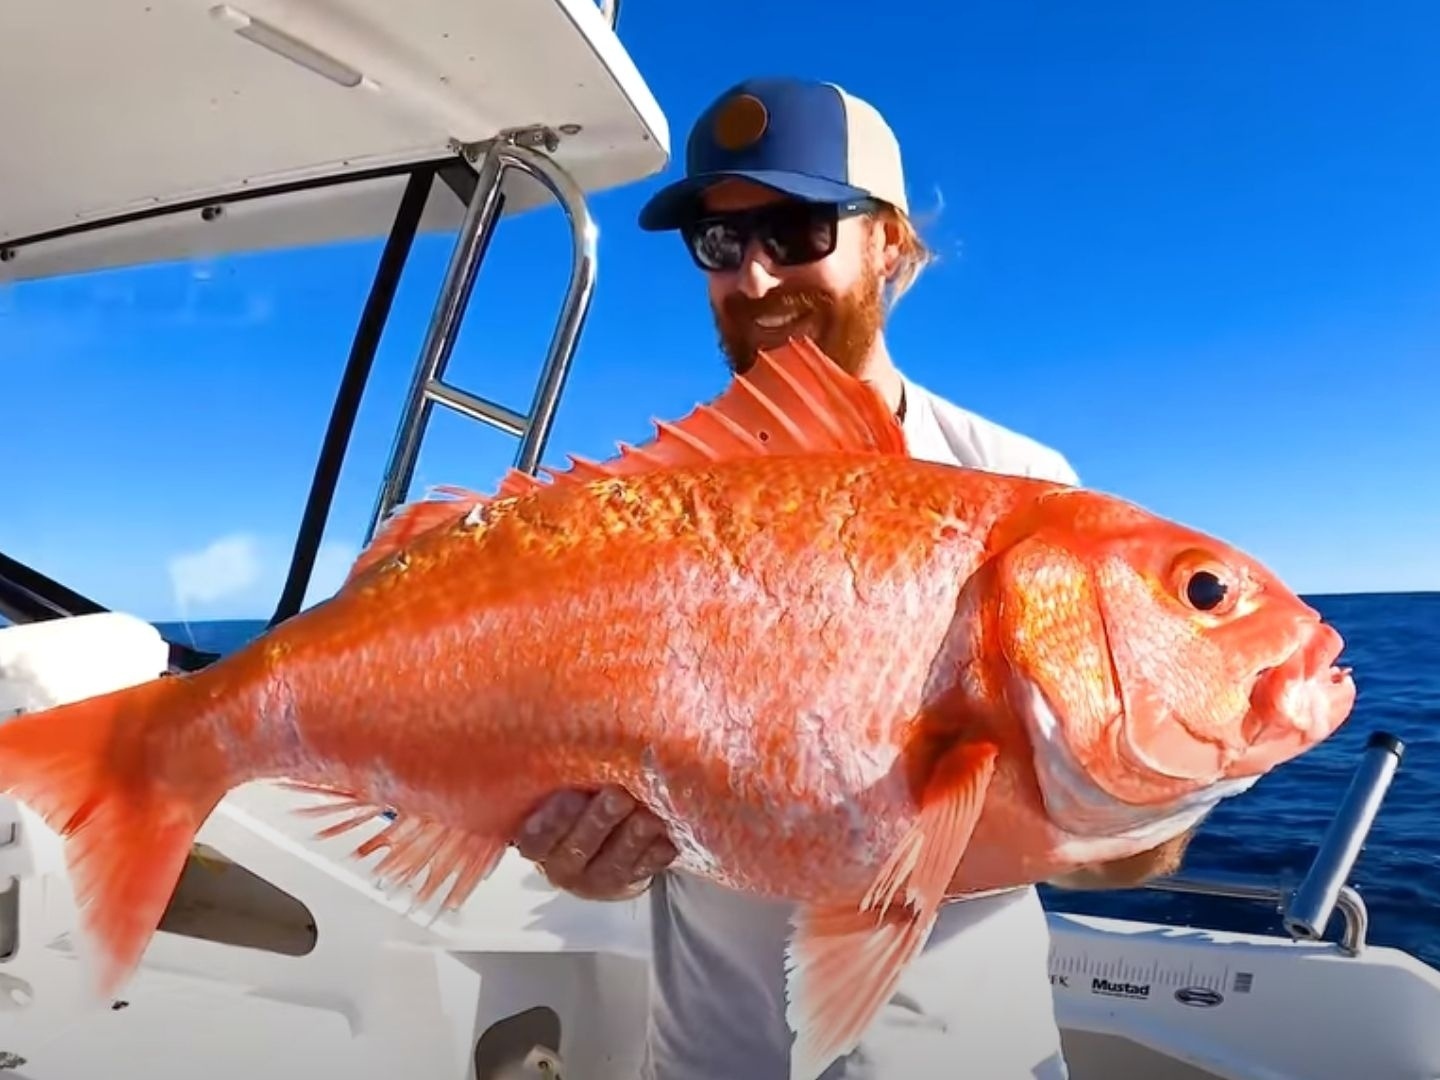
{"points": [[135, 108]]}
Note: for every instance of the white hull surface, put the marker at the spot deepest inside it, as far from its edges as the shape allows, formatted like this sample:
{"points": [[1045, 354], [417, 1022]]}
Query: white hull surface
{"points": [[312, 971]]}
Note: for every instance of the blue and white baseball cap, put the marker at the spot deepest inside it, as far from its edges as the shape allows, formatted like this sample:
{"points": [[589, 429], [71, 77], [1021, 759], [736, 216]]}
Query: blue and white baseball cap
{"points": [[808, 140]]}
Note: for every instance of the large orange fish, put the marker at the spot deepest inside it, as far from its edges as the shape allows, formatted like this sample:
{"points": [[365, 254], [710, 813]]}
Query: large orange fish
{"points": [[847, 678]]}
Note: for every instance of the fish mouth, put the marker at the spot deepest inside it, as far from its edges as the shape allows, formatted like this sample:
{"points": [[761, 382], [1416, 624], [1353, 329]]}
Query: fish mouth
{"points": [[1298, 702]]}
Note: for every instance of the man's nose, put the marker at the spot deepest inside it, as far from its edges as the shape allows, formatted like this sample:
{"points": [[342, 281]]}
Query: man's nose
{"points": [[756, 276]]}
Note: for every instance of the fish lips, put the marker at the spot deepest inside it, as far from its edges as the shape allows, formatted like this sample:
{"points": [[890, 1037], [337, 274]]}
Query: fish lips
{"points": [[1298, 703]]}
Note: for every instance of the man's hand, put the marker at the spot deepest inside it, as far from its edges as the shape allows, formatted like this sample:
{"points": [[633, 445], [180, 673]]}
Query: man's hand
{"points": [[599, 847]]}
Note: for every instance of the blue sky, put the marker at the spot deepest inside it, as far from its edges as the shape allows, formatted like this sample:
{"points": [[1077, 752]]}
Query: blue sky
{"points": [[1198, 250]]}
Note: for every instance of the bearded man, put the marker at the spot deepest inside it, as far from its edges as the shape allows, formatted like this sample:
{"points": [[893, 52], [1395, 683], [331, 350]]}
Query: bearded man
{"points": [[794, 209]]}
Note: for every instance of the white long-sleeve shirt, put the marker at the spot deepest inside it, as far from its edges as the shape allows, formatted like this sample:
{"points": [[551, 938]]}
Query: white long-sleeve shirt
{"points": [[977, 999]]}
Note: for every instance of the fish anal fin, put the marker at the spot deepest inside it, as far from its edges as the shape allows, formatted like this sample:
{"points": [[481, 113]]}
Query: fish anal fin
{"points": [[413, 843], [844, 961]]}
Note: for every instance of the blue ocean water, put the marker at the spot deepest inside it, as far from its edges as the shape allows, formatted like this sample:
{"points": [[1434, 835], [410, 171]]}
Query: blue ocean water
{"points": [[1393, 643]]}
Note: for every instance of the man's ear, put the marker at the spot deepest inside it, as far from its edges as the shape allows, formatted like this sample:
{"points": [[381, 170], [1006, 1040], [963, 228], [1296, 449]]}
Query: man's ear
{"points": [[885, 243]]}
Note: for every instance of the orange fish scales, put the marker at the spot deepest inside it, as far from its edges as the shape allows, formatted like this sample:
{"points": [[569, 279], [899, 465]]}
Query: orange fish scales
{"points": [[738, 640]]}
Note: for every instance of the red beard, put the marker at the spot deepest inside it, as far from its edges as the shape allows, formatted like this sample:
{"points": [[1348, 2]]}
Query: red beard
{"points": [[843, 327]]}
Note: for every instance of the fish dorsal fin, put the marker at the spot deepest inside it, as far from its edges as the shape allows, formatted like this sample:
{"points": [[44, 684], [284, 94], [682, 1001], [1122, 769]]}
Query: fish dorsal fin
{"points": [[407, 522], [794, 400]]}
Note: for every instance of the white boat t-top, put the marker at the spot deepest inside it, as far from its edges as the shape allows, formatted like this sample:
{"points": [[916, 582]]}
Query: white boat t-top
{"points": [[141, 133]]}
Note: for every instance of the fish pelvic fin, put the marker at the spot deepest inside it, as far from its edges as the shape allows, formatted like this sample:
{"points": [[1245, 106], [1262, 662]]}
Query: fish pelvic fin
{"points": [[413, 843], [126, 830], [794, 400], [844, 961]]}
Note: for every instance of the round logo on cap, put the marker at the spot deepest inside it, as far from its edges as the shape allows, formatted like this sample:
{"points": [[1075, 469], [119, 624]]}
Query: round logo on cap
{"points": [[740, 122]]}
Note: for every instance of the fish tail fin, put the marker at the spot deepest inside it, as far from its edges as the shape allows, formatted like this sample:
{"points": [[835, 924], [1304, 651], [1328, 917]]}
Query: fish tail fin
{"points": [[126, 831]]}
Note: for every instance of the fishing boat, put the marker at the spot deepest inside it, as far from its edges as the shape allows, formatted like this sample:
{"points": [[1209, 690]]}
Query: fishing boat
{"points": [[139, 133]]}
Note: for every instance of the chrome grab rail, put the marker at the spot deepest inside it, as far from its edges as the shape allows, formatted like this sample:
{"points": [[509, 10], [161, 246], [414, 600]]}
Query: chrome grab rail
{"points": [[1349, 902], [1310, 906], [1306, 909], [578, 293], [428, 388]]}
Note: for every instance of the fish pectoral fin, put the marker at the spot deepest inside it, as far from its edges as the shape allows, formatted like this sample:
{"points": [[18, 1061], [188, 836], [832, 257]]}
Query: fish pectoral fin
{"points": [[415, 842], [844, 961], [919, 870]]}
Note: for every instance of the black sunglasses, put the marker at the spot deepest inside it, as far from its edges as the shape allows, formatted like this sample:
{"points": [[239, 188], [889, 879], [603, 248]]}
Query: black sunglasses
{"points": [[791, 233]]}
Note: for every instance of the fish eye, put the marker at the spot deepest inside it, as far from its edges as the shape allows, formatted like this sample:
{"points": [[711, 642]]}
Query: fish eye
{"points": [[1205, 591], [1205, 584]]}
